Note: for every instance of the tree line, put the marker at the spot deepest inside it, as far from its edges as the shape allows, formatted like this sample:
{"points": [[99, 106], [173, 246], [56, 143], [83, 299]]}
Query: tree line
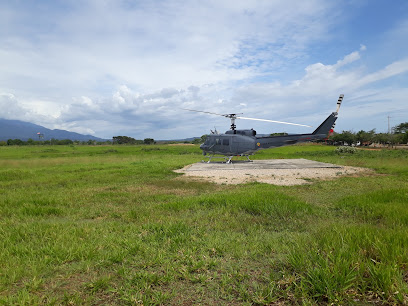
{"points": [[130, 140], [53, 141], [399, 135]]}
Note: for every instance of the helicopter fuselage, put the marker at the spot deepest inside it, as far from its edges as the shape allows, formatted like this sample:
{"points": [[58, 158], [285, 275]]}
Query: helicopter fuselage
{"points": [[245, 142], [240, 143]]}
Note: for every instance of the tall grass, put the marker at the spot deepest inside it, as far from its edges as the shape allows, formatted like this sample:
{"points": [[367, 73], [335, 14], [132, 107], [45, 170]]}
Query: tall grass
{"points": [[351, 263], [115, 225]]}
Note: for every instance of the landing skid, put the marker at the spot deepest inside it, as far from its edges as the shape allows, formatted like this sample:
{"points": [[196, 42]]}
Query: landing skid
{"points": [[228, 159]]}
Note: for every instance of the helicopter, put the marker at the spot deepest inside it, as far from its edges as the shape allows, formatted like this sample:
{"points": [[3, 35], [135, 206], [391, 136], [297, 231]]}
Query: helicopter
{"points": [[245, 142]]}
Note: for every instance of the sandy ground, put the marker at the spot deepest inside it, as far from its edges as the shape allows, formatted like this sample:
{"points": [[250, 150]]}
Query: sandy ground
{"points": [[283, 177]]}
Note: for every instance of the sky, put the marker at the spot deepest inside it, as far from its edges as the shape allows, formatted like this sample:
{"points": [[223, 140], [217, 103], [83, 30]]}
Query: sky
{"points": [[129, 68]]}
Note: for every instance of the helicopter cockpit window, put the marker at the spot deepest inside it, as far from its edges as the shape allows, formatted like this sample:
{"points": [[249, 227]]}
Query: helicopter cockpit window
{"points": [[225, 142]]}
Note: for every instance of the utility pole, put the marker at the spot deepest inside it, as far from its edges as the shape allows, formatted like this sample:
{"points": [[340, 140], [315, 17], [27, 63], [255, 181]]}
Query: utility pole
{"points": [[389, 131]]}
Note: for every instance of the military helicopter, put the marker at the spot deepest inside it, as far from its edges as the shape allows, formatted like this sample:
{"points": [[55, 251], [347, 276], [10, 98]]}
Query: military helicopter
{"points": [[245, 142]]}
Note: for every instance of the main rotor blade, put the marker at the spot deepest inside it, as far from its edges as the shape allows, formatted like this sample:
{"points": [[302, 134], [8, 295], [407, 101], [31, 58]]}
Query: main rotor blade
{"points": [[224, 115], [232, 116], [239, 117], [193, 110]]}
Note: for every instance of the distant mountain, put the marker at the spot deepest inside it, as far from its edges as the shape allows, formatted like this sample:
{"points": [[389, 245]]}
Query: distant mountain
{"points": [[15, 129]]}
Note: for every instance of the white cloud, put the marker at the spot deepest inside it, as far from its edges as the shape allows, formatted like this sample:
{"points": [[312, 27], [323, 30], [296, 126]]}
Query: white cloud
{"points": [[11, 107], [158, 44], [352, 57], [307, 100], [391, 70]]}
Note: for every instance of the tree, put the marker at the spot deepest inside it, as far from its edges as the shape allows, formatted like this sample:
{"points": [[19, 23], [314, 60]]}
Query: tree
{"points": [[398, 138], [123, 140], [279, 134], [402, 131], [365, 137], [382, 138], [400, 128], [202, 139], [148, 141], [405, 138], [15, 142], [64, 142], [344, 137]]}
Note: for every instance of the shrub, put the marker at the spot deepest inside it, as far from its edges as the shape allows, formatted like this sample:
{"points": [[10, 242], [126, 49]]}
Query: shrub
{"points": [[344, 149]]}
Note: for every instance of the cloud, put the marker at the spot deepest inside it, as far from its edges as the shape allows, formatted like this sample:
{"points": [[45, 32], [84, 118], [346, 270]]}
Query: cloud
{"points": [[11, 107], [391, 70], [14, 109], [131, 111], [310, 98], [153, 45]]}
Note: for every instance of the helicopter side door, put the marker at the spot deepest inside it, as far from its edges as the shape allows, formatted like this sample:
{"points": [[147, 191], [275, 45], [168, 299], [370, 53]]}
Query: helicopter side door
{"points": [[226, 144], [217, 144]]}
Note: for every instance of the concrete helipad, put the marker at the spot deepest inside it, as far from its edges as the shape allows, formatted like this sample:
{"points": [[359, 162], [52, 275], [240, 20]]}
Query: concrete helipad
{"points": [[273, 171], [300, 163]]}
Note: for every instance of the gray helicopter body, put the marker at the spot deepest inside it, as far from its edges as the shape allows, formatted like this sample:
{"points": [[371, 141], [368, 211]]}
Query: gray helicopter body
{"points": [[245, 142]]}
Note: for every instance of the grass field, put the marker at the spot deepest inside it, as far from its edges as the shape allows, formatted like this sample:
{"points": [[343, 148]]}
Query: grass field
{"points": [[115, 225]]}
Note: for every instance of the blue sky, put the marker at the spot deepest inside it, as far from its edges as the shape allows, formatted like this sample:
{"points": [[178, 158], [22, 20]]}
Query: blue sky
{"points": [[111, 68]]}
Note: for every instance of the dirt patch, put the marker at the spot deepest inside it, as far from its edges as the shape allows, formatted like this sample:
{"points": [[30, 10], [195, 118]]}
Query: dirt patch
{"points": [[283, 177]]}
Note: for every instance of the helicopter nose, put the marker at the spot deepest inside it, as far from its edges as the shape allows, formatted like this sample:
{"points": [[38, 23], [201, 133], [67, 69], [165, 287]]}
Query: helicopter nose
{"points": [[204, 147]]}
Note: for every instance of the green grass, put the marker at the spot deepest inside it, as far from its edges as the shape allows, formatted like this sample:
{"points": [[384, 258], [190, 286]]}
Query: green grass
{"points": [[115, 225]]}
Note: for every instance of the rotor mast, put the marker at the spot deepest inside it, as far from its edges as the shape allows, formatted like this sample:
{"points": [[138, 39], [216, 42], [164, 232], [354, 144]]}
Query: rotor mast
{"points": [[232, 117]]}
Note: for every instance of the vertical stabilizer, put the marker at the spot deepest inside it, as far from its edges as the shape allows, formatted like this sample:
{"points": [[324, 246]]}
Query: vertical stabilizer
{"points": [[327, 126]]}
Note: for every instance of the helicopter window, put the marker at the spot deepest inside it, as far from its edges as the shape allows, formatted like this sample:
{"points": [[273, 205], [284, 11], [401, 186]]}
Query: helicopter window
{"points": [[225, 142], [217, 141]]}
